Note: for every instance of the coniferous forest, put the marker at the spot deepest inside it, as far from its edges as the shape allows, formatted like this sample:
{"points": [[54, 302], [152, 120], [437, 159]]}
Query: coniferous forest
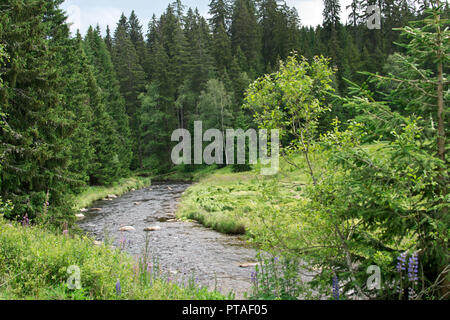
{"points": [[363, 120]]}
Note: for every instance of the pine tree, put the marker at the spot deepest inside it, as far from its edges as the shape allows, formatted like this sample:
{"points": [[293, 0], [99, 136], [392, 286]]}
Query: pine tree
{"points": [[331, 13], [105, 75], [36, 131], [221, 42], [137, 38], [245, 34], [131, 76], [108, 39]]}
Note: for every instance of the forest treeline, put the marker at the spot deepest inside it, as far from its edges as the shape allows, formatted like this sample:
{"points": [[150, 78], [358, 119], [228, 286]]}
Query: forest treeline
{"points": [[87, 109]]}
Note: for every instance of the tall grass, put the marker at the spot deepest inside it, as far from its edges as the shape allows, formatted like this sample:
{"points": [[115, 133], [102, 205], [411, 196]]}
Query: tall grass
{"points": [[94, 193]]}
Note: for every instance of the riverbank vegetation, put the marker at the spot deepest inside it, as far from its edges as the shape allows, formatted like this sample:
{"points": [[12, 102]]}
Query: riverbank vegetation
{"points": [[93, 193], [36, 264]]}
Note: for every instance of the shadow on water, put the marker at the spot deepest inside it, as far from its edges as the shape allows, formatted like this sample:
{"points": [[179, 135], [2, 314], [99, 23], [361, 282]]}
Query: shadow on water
{"points": [[182, 248]]}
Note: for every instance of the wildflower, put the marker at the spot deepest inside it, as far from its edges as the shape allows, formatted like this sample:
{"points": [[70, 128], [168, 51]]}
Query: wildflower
{"points": [[123, 243], [411, 294], [401, 265], [336, 287], [118, 288], [254, 277], [25, 221], [413, 268], [65, 229]]}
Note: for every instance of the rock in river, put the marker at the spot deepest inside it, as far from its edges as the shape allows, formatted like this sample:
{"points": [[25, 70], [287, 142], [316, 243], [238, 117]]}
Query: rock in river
{"points": [[80, 216], [155, 228], [127, 228], [248, 265]]}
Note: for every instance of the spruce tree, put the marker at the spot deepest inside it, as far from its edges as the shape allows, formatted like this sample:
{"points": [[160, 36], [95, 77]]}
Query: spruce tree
{"points": [[36, 130], [131, 76], [105, 75], [246, 35], [221, 42]]}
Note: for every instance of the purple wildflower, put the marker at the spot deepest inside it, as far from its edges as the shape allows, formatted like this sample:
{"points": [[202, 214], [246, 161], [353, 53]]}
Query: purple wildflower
{"points": [[336, 288], [118, 288], [401, 265], [254, 277], [413, 268], [65, 229], [25, 221]]}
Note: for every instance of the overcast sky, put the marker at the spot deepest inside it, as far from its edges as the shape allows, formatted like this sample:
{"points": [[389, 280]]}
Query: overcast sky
{"points": [[83, 13]]}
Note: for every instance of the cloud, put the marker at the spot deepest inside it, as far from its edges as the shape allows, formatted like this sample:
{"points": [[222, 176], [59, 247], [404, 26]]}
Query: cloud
{"points": [[81, 19], [310, 11]]}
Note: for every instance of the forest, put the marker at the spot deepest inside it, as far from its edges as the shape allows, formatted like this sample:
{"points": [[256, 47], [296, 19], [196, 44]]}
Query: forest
{"points": [[362, 114]]}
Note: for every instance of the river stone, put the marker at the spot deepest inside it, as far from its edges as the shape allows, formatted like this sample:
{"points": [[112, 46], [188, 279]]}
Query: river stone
{"points": [[96, 209], [155, 228], [98, 243], [80, 216], [137, 203], [127, 228], [112, 196], [248, 265], [84, 210]]}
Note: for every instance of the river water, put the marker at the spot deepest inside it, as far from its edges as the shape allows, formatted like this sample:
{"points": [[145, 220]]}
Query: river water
{"points": [[184, 249]]}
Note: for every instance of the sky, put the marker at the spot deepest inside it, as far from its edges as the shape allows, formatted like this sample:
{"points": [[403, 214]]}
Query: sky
{"points": [[83, 13]]}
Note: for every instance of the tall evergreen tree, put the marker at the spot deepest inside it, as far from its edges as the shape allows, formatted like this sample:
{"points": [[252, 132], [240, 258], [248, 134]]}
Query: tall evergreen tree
{"points": [[245, 34], [131, 76], [105, 75], [221, 42], [108, 39], [36, 130]]}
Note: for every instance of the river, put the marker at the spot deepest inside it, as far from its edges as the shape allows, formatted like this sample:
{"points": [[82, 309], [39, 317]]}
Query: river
{"points": [[184, 249]]}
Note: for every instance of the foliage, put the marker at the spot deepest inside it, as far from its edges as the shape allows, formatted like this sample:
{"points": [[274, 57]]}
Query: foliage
{"points": [[276, 279], [34, 264]]}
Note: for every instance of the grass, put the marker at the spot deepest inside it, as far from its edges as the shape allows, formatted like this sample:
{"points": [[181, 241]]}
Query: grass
{"points": [[183, 174], [229, 202], [235, 203], [94, 193], [34, 264]]}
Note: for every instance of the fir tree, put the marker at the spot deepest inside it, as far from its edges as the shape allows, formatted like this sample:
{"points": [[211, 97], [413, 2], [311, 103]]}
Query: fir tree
{"points": [[131, 76]]}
